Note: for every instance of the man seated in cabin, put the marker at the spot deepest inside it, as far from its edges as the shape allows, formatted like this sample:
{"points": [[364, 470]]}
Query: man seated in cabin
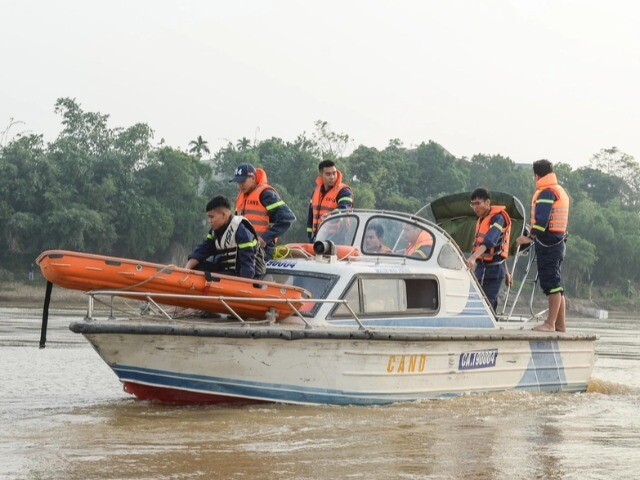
{"points": [[373, 238], [231, 241], [420, 242]]}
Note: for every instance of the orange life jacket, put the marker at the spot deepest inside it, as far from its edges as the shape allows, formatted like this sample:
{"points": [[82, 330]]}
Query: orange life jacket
{"points": [[483, 225], [249, 205], [559, 218], [423, 240], [323, 204]]}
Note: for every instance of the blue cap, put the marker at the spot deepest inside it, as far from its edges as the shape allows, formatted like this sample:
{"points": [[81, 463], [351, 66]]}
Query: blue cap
{"points": [[243, 171]]}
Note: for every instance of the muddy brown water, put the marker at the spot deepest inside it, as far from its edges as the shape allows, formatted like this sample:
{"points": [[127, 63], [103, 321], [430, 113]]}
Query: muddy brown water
{"points": [[63, 415]]}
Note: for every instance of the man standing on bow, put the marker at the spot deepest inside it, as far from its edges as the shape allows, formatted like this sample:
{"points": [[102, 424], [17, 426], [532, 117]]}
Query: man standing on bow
{"points": [[549, 222], [491, 245], [330, 194], [259, 203]]}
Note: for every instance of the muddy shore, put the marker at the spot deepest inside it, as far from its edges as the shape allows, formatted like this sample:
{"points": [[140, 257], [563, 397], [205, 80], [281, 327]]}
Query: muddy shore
{"points": [[31, 295]]}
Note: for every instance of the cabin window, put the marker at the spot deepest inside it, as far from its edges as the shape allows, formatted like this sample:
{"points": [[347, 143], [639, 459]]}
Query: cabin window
{"points": [[341, 230], [383, 295], [390, 295], [450, 258], [389, 236], [353, 299], [422, 293], [318, 285]]}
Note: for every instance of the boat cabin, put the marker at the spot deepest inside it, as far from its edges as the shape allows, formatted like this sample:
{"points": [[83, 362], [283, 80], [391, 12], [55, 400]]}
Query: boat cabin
{"points": [[389, 270]]}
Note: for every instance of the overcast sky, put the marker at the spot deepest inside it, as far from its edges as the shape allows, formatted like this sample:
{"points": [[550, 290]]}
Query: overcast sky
{"points": [[526, 79]]}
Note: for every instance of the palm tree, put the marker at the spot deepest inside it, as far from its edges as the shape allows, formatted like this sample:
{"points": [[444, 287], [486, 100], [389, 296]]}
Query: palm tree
{"points": [[199, 146], [243, 144]]}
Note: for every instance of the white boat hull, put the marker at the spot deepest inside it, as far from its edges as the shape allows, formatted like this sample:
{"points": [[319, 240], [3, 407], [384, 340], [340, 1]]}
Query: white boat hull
{"points": [[337, 367]]}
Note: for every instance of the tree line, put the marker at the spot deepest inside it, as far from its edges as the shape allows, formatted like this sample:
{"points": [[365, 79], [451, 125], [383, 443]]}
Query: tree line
{"points": [[114, 191]]}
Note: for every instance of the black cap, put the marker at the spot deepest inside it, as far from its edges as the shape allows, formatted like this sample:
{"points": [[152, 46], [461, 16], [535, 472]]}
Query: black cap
{"points": [[243, 171]]}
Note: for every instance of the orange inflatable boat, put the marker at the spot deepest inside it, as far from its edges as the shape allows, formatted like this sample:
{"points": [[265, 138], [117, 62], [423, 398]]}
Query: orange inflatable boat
{"points": [[85, 271]]}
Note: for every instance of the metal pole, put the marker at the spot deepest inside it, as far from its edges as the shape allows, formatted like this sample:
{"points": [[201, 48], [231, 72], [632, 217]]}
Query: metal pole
{"points": [[45, 315]]}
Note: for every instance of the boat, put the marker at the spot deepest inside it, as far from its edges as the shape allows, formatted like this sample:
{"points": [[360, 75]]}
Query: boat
{"points": [[168, 284], [379, 328]]}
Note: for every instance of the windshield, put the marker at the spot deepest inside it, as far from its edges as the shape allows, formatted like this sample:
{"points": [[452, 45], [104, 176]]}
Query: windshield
{"points": [[340, 230], [319, 285], [391, 236]]}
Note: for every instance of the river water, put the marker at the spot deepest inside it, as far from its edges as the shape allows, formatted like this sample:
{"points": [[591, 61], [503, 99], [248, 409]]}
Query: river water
{"points": [[63, 415]]}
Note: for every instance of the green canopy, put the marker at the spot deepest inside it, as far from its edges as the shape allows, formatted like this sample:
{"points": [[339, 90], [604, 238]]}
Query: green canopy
{"points": [[454, 214]]}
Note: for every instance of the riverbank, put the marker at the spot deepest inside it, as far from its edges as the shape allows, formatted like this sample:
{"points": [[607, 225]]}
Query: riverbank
{"points": [[31, 295]]}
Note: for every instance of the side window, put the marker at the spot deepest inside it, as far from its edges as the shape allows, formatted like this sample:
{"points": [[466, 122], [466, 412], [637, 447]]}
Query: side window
{"points": [[392, 295], [353, 299], [318, 285], [384, 295], [449, 258], [422, 293]]}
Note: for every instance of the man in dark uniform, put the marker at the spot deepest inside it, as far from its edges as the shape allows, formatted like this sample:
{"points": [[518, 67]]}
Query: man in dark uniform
{"points": [[549, 222], [231, 241], [259, 203], [491, 245], [330, 194]]}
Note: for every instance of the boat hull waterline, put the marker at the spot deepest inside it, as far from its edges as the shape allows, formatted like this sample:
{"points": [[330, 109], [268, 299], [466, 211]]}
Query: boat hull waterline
{"points": [[225, 365]]}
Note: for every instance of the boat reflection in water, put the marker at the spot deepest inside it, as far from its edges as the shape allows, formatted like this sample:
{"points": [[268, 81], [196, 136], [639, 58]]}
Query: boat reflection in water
{"points": [[379, 328]]}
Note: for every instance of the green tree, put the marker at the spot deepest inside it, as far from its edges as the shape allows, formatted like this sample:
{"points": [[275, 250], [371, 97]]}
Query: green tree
{"points": [[199, 146], [578, 266], [499, 173], [243, 144], [329, 144], [435, 172], [622, 165], [597, 185]]}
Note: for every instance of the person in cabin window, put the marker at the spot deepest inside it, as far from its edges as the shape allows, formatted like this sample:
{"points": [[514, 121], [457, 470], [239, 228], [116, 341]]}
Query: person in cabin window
{"points": [[259, 203], [231, 242], [549, 222], [330, 194], [491, 245], [373, 239], [420, 242]]}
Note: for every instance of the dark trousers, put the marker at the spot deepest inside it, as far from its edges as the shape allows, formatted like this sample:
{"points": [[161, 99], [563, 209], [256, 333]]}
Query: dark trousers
{"points": [[490, 278], [269, 250], [549, 260]]}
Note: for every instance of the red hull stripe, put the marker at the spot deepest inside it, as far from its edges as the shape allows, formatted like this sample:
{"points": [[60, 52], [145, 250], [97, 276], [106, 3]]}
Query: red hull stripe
{"points": [[174, 395]]}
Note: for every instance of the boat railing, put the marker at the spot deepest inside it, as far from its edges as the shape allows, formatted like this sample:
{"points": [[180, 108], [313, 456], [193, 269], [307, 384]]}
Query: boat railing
{"points": [[271, 315], [527, 278]]}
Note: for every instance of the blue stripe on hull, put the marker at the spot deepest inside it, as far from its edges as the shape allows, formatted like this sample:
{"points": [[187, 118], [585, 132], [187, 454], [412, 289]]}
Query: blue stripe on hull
{"points": [[463, 321], [544, 376], [545, 371], [254, 390]]}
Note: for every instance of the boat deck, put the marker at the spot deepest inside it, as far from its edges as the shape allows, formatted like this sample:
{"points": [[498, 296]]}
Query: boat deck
{"points": [[231, 328]]}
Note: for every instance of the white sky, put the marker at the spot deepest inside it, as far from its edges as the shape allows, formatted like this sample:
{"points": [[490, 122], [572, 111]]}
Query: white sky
{"points": [[526, 79]]}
